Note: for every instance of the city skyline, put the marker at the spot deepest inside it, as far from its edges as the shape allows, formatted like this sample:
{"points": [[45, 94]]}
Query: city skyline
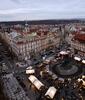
{"points": [[12, 10]]}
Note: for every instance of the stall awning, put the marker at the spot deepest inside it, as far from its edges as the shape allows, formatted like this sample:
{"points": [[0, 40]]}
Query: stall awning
{"points": [[83, 61], [83, 76], [51, 92], [63, 53], [30, 67], [79, 80], [35, 82], [32, 78], [31, 71], [61, 79], [77, 58], [38, 84]]}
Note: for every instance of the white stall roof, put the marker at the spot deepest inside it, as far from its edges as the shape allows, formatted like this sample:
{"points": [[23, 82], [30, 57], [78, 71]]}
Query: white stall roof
{"points": [[61, 79], [32, 78], [79, 80], [38, 84], [51, 92], [35, 82], [31, 71], [83, 61], [30, 67], [63, 52], [77, 58], [54, 76], [83, 76]]}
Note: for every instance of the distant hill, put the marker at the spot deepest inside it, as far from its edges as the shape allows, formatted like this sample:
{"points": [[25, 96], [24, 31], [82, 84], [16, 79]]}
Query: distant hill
{"points": [[43, 22]]}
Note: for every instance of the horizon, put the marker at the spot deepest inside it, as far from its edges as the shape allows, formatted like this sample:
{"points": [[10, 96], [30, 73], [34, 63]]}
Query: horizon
{"points": [[68, 19]]}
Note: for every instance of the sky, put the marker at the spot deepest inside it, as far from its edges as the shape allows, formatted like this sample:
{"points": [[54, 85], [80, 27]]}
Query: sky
{"points": [[12, 10]]}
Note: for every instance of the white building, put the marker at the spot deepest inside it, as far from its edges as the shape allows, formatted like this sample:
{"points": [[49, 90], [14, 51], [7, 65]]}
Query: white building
{"points": [[26, 43]]}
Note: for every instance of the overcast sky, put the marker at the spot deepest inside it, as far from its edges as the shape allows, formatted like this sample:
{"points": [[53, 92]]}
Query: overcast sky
{"points": [[41, 9]]}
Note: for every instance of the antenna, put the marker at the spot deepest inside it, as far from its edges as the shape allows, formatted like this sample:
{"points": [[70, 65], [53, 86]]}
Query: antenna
{"points": [[26, 22], [26, 25]]}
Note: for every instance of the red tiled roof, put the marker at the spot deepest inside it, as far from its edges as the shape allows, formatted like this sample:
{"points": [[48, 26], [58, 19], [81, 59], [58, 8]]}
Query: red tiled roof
{"points": [[80, 37], [20, 42]]}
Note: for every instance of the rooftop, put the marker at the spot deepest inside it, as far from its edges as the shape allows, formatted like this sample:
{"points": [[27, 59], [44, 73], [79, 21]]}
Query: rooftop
{"points": [[80, 37]]}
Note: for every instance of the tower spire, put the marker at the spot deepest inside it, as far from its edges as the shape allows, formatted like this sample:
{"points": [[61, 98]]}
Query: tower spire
{"points": [[26, 25]]}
